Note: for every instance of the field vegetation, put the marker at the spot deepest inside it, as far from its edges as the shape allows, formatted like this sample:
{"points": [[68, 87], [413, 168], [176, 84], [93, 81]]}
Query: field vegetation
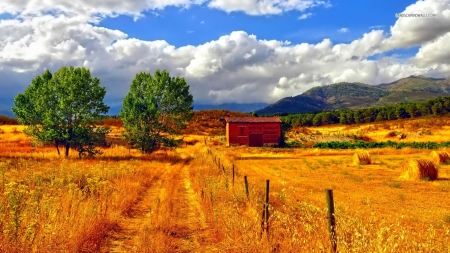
{"points": [[184, 199]]}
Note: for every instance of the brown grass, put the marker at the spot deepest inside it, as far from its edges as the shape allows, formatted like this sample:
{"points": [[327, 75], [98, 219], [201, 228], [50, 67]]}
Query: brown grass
{"points": [[419, 169], [362, 158], [439, 157], [177, 200]]}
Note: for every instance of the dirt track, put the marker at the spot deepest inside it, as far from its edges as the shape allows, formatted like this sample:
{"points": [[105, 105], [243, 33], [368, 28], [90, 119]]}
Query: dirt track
{"points": [[167, 218]]}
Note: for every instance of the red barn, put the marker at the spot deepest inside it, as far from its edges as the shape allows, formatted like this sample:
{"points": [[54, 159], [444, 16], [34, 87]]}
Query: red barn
{"points": [[253, 131]]}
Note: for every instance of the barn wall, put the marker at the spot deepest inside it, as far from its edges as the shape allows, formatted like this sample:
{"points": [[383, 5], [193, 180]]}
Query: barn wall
{"points": [[238, 133]]}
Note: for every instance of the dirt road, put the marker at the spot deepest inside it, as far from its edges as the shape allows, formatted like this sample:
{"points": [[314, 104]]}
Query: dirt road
{"points": [[167, 218]]}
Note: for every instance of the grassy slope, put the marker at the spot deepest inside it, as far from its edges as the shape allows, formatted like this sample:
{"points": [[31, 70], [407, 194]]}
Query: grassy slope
{"points": [[358, 95]]}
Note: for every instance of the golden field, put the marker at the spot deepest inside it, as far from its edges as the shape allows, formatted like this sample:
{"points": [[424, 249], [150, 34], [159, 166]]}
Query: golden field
{"points": [[179, 200]]}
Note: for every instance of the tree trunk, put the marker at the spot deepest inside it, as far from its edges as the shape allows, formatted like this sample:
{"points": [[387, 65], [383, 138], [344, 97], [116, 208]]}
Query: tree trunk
{"points": [[57, 147], [67, 149]]}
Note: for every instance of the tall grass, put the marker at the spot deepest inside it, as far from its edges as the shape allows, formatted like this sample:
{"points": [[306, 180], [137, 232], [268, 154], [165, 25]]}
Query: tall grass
{"points": [[296, 225], [49, 205]]}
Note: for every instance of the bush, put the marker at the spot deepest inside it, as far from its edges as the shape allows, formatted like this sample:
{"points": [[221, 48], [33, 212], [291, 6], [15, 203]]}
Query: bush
{"points": [[5, 120], [387, 144]]}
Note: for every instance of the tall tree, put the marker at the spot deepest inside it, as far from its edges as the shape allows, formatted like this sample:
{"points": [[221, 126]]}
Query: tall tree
{"points": [[62, 109], [155, 108]]}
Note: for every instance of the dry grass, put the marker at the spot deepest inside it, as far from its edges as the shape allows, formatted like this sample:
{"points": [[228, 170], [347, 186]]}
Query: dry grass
{"points": [[362, 158], [419, 169], [419, 130], [208, 123], [297, 202], [439, 157], [178, 200]]}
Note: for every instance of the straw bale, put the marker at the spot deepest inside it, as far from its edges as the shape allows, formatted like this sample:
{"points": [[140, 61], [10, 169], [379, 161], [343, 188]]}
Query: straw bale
{"points": [[439, 157], [362, 158], [419, 169]]}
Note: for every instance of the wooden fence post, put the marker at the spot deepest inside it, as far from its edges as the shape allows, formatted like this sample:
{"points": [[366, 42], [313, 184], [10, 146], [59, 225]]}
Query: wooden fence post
{"points": [[331, 219], [233, 175], [265, 217], [246, 185]]}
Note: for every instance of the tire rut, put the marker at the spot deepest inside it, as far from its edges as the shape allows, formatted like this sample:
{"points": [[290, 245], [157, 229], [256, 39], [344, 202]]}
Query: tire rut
{"points": [[125, 238], [168, 218]]}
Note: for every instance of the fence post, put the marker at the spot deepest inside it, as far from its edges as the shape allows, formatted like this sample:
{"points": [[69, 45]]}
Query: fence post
{"points": [[233, 174], [246, 185], [265, 217], [331, 219]]}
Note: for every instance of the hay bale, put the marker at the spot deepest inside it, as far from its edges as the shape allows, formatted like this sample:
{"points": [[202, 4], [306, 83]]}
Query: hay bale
{"points": [[419, 169], [439, 157], [362, 158], [391, 134]]}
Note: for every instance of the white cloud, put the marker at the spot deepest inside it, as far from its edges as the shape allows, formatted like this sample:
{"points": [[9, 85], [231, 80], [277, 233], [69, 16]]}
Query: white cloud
{"points": [[343, 30], [409, 31], [434, 53], [89, 8], [265, 7], [237, 67], [92, 8], [305, 16]]}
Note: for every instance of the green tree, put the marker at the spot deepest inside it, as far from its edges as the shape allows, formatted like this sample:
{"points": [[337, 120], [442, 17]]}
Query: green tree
{"points": [[155, 108], [62, 109], [343, 119], [317, 120]]}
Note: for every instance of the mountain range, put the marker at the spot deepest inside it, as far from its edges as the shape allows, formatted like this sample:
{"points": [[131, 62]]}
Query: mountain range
{"points": [[336, 96], [359, 95]]}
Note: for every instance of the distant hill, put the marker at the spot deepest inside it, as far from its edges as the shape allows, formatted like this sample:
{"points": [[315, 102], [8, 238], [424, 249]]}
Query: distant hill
{"points": [[237, 107], [207, 122], [359, 95]]}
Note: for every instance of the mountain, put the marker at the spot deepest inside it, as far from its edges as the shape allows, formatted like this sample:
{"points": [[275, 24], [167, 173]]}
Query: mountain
{"points": [[359, 95]]}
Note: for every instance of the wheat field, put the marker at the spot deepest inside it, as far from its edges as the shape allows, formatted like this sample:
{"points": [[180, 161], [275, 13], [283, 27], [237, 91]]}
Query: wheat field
{"points": [[183, 200]]}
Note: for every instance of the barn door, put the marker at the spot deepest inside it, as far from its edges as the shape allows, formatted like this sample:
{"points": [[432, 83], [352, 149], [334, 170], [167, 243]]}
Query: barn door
{"points": [[255, 140]]}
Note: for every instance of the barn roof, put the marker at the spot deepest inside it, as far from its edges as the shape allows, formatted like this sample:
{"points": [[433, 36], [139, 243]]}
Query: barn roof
{"points": [[253, 120]]}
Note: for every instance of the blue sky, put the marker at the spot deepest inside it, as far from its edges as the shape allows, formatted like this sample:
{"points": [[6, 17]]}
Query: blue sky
{"points": [[229, 51], [199, 24]]}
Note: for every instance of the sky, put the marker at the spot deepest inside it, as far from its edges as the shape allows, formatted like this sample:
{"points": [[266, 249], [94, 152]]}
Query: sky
{"points": [[229, 51]]}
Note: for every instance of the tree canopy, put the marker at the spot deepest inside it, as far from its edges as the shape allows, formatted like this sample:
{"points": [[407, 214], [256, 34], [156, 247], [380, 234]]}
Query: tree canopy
{"points": [[435, 106], [156, 108], [62, 109]]}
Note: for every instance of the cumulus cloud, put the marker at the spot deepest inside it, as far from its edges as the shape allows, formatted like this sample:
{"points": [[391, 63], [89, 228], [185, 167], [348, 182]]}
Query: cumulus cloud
{"points": [[265, 7], [434, 53], [343, 30], [237, 67], [90, 8], [99, 8], [414, 31]]}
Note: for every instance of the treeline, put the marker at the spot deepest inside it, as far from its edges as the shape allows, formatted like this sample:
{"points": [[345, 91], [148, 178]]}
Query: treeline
{"points": [[436, 106], [5, 120], [387, 144]]}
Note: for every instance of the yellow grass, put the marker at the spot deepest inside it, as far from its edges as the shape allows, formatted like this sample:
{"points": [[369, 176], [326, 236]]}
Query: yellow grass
{"points": [[178, 200], [419, 130]]}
